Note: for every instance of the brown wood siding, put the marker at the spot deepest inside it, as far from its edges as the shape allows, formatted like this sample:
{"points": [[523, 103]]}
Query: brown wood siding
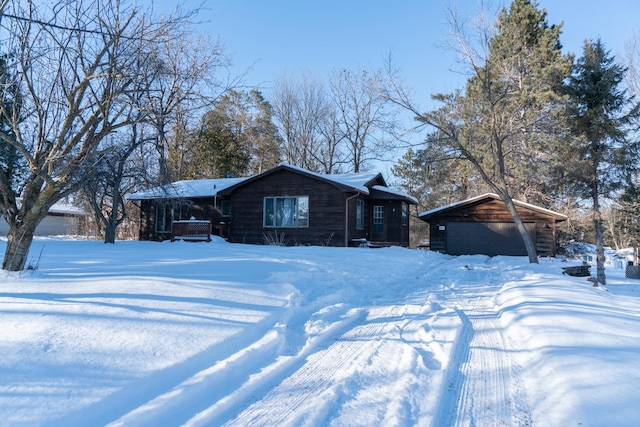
{"points": [[200, 208], [326, 210], [394, 232], [546, 237], [148, 221], [405, 238], [494, 211], [354, 233]]}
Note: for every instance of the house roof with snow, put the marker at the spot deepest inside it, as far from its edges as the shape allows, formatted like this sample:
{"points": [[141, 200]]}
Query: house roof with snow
{"points": [[187, 189], [66, 209], [356, 181], [61, 208], [390, 193], [367, 183], [485, 198]]}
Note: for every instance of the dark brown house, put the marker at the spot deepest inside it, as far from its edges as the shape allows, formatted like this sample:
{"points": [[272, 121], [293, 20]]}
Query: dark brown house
{"points": [[183, 200], [289, 204], [483, 225]]}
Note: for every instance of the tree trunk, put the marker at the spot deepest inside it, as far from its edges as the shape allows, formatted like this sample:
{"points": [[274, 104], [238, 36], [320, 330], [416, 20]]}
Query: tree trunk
{"points": [[18, 243], [109, 233], [21, 230], [526, 237], [597, 222], [111, 220]]}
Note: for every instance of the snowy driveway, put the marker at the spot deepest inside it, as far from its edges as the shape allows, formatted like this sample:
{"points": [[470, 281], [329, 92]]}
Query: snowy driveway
{"points": [[144, 333]]}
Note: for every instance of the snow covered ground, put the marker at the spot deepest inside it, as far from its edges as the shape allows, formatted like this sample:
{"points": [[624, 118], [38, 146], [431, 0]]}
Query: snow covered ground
{"points": [[207, 334]]}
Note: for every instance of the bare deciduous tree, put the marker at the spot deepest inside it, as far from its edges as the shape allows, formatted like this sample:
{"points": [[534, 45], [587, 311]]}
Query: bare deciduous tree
{"points": [[632, 77], [175, 82], [76, 68], [364, 120], [181, 80], [329, 130], [301, 109]]}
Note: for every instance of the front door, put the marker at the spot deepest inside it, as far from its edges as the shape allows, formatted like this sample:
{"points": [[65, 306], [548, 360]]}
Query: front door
{"points": [[379, 226]]}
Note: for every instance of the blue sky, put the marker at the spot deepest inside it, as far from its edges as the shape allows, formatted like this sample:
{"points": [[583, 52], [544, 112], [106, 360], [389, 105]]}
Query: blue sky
{"points": [[278, 36]]}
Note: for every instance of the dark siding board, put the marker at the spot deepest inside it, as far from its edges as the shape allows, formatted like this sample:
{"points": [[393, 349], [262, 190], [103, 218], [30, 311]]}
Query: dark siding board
{"points": [[393, 221], [493, 211], [437, 237], [354, 233], [546, 238], [147, 220], [326, 210]]}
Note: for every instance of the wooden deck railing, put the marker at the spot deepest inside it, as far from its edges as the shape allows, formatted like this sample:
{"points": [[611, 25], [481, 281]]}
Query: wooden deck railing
{"points": [[193, 230]]}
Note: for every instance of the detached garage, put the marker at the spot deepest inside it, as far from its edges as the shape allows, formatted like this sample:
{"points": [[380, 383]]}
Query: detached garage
{"points": [[62, 219], [483, 225]]}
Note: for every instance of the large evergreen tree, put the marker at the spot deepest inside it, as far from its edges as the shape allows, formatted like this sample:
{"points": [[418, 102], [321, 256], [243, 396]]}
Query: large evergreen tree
{"points": [[600, 156], [503, 119], [214, 150], [237, 137]]}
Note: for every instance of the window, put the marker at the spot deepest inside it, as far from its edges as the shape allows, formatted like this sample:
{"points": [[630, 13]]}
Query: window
{"points": [[166, 213], [360, 215], [225, 208], [286, 211], [405, 213], [378, 219]]}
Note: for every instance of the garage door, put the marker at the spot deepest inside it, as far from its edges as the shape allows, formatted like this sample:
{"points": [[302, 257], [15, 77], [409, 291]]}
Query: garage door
{"points": [[489, 238]]}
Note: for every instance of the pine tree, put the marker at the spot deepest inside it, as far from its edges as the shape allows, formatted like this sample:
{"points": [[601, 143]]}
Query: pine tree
{"points": [[501, 122], [237, 137], [215, 150], [600, 156]]}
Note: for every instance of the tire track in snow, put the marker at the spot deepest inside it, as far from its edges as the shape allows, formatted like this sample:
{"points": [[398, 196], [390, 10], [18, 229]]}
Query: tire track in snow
{"points": [[379, 353], [262, 380], [164, 393], [483, 383], [454, 381], [296, 398]]}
